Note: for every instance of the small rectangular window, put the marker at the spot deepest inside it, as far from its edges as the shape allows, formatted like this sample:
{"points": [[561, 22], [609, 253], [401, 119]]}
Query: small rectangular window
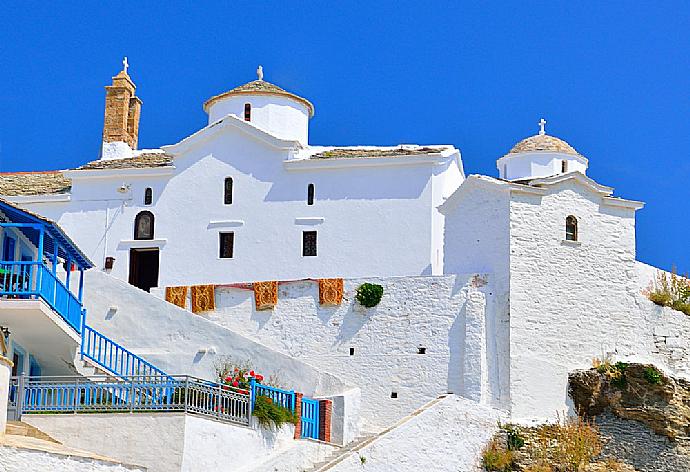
{"points": [[309, 243], [227, 245], [227, 198], [247, 112], [564, 167], [310, 194]]}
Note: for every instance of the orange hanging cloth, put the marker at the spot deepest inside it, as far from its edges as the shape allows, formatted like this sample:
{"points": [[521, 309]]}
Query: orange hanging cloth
{"points": [[203, 298], [265, 295], [330, 291], [176, 296]]}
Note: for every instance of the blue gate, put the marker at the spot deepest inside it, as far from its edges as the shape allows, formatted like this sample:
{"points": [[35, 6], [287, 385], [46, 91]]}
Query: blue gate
{"points": [[310, 418]]}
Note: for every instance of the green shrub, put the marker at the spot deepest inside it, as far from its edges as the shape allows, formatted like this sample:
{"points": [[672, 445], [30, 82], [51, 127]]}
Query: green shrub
{"points": [[496, 458], [652, 375], [614, 372], [369, 295], [514, 438], [660, 298], [271, 414], [681, 306]]}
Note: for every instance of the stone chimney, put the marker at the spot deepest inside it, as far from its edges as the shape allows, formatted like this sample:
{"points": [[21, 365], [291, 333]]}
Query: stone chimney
{"points": [[122, 112]]}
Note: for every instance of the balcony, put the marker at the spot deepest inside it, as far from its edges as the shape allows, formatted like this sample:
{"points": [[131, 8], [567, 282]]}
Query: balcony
{"points": [[35, 280]]}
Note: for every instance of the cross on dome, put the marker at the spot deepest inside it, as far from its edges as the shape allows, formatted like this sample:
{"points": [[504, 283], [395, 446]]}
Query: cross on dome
{"points": [[125, 64], [542, 124], [260, 72]]}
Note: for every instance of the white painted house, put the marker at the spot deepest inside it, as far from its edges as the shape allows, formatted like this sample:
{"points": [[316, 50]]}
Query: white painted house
{"points": [[247, 198]]}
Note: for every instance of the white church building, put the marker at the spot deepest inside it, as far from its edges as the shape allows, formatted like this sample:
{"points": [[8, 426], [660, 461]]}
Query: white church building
{"points": [[495, 287]]}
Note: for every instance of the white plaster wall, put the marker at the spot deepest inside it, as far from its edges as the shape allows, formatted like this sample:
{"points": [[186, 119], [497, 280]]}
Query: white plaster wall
{"points": [[569, 302], [23, 460], [477, 239], [538, 164], [165, 442], [414, 312], [448, 436], [155, 441], [368, 224], [299, 458], [283, 117], [173, 339]]}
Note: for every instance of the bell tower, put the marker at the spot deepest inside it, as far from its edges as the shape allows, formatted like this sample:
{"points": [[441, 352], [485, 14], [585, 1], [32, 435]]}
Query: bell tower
{"points": [[121, 121]]}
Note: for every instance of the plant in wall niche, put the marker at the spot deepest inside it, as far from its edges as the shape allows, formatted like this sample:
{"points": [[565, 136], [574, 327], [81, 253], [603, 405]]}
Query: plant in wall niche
{"points": [[362, 460], [270, 414], [614, 372], [670, 290], [369, 295], [514, 439], [652, 375]]}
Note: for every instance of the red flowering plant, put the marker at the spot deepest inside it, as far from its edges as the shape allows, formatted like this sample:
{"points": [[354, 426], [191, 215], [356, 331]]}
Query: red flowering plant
{"points": [[234, 376]]}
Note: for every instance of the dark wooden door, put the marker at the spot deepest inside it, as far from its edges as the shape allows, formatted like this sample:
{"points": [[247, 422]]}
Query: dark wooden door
{"points": [[143, 268]]}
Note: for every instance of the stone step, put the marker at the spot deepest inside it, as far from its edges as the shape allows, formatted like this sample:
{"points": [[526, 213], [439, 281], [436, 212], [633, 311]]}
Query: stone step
{"points": [[17, 428]]}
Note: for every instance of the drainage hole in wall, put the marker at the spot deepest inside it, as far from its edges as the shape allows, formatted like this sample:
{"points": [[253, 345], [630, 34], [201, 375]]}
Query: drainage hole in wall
{"points": [[394, 394], [352, 351], [421, 350]]}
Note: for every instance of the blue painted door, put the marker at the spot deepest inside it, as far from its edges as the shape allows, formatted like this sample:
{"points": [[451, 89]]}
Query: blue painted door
{"points": [[310, 418]]}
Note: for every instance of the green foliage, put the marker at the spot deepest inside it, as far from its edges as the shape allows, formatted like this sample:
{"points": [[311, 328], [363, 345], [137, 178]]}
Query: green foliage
{"points": [[497, 458], [652, 375], [514, 439], [271, 414], [369, 295], [362, 460], [670, 290], [614, 372]]}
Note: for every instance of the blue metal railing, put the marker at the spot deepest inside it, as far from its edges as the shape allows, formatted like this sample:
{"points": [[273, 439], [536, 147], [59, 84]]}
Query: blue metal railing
{"points": [[32, 279], [284, 398], [310, 418], [133, 394], [114, 358]]}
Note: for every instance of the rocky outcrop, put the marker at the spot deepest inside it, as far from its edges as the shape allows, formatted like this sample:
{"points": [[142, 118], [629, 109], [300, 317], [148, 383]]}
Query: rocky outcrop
{"points": [[643, 415], [635, 392]]}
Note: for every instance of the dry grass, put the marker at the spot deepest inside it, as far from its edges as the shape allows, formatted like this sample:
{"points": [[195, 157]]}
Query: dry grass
{"points": [[567, 446], [497, 458]]}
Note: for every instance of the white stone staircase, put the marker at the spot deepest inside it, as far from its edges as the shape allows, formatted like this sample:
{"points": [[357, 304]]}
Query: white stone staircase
{"points": [[362, 441]]}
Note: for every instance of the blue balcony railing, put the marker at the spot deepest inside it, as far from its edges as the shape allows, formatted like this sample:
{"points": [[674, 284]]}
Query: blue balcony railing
{"points": [[33, 280]]}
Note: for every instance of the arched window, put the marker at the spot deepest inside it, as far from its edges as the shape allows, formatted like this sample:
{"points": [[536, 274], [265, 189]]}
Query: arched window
{"points": [[148, 196], [310, 194], [571, 228], [143, 225], [228, 191], [247, 112]]}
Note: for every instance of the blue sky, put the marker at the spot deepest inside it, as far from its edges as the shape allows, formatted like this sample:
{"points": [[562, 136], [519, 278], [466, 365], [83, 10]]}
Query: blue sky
{"points": [[611, 78]]}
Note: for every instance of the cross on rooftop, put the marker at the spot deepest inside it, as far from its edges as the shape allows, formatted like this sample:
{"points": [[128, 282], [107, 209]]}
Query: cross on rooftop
{"points": [[542, 123], [125, 64]]}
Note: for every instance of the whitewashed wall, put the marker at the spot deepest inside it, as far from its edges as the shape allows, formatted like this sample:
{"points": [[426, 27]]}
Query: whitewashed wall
{"points": [[569, 301], [367, 223], [281, 116], [448, 436], [430, 312], [477, 239], [176, 442], [179, 342], [23, 460]]}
